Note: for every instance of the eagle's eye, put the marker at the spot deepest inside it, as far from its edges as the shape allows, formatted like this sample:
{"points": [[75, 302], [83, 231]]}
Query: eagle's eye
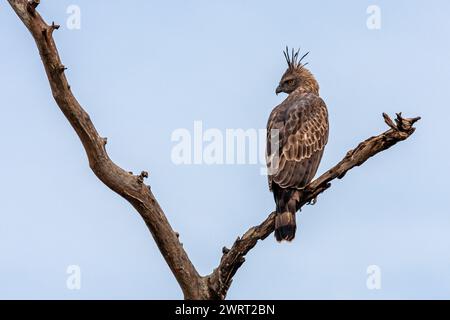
{"points": [[291, 82]]}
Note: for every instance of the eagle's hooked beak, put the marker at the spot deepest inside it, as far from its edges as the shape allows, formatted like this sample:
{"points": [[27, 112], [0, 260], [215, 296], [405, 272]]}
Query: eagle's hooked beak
{"points": [[278, 90]]}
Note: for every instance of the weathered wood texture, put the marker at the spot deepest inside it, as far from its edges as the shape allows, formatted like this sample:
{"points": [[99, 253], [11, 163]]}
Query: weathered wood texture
{"points": [[138, 194]]}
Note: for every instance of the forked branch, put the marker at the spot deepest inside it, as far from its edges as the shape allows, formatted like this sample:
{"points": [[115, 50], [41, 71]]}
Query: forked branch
{"points": [[134, 190]]}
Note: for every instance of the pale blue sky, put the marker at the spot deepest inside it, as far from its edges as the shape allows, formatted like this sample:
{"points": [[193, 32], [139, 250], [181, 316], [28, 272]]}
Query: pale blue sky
{"points": [[144, 69]]}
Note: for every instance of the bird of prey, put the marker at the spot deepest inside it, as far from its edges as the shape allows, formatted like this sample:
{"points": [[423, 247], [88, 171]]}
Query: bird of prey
{"points": [[297, 132]]}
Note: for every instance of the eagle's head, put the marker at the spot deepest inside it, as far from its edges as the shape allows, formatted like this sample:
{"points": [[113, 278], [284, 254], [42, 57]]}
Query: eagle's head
{"points": [[296, 75]]}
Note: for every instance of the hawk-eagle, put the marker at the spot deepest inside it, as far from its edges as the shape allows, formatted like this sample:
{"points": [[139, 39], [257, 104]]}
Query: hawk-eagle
{"points": [[297, 132]]}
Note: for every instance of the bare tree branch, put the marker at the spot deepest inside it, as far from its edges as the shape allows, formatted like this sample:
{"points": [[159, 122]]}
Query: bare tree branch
{"points": [[133, 189], [129, 186], [221, 278]]}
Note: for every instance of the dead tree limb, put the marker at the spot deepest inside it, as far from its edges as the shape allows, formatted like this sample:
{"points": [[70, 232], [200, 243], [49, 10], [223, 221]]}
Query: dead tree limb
{"points": [[129, 186], [135, 191], [221, 278]]}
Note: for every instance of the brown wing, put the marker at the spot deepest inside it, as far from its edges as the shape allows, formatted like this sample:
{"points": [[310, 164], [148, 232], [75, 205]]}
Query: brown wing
{"points": [[302, 124]]}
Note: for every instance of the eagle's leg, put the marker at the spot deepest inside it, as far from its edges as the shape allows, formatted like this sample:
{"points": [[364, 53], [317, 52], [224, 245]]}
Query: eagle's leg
{"points": [[299, 193]]}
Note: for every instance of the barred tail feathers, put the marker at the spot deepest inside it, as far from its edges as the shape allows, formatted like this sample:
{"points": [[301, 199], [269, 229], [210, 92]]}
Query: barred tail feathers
{"points": [[285, 226]]}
